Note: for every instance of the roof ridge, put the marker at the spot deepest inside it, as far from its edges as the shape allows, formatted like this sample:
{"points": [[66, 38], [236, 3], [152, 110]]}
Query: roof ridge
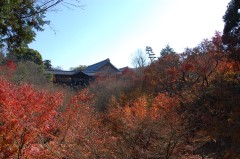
{"points": [[106, 60], [95, 67]]}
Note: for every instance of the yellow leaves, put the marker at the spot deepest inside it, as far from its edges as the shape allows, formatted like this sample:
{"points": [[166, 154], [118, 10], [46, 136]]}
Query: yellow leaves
{"points": [[139, 108], [144, 127], [142, 110], [226, 66], [127, 111], [166, 102]]}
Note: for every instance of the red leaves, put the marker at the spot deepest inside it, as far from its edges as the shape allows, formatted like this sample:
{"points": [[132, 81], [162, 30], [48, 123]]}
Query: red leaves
{"points": [[26, 114], [82, 135], [29, 107], [144, 120], [8, 69], [11, 65], [187, 67], [31, 127]]}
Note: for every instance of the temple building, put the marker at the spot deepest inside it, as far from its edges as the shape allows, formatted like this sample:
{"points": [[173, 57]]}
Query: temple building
{"points": [[82, 78]]}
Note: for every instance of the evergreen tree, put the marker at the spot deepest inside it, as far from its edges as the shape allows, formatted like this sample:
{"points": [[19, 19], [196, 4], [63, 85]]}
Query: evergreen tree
{"points": [[47, 64], [25, 54], [231, 32], [18, 22], [167, 51], [20, 19]]}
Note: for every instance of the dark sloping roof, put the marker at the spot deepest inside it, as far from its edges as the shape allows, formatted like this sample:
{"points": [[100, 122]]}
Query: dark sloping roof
{"points": [[123, 68], [61, 72], [66, 73], [97, 66], [89, 71]]}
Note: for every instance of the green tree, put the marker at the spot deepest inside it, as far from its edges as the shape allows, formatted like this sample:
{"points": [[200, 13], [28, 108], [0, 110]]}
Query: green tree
{"points": [[78, 68], [231, 31], [26, 54], [231, 17], [2, 58], [167, 50], [47, 64], [18, 22], [30, 72], [20, 19]]}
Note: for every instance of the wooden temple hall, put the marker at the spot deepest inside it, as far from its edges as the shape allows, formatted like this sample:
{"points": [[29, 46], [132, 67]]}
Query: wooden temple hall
{"points": [[82, 78]]}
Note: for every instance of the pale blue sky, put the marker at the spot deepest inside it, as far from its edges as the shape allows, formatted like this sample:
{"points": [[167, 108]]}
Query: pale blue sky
{"points": [[115, 29]]}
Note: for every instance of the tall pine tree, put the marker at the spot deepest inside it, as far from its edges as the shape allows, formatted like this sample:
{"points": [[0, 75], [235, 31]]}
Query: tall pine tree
{"points": [[231, 32]]}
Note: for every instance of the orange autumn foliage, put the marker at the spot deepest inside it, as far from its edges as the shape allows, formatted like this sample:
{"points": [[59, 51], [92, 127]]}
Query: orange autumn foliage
{"points": [[145, 130]]}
